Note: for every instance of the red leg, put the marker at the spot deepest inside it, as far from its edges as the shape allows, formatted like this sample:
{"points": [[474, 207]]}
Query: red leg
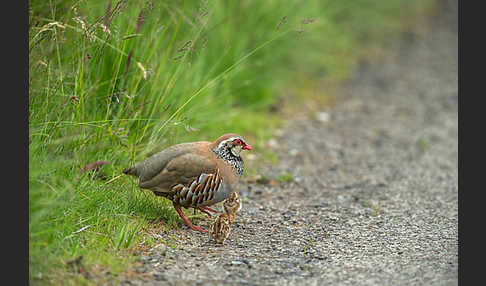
{"points": [[203, 210], [186, 220], [210, 209]]}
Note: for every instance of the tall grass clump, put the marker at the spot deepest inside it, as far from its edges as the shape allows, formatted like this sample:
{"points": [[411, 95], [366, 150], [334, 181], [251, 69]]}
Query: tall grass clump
{"points": [[117, 80]]}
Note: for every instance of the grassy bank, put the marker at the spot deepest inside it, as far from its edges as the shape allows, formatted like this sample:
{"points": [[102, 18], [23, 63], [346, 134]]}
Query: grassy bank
{"points": [[116, 81]]}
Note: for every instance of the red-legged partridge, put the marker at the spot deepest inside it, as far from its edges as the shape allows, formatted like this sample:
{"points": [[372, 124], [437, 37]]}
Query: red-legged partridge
{"points": [[232, 205], [193, 175], [220, 229]]}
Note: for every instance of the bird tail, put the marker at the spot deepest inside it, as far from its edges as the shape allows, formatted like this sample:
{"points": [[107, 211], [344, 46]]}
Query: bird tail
{"points": [[130, 171]]}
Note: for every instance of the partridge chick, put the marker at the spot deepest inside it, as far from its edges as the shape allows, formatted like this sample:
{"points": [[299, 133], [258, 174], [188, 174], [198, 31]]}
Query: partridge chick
{"points": [[220, 229], [232, 205], [193, 175]]}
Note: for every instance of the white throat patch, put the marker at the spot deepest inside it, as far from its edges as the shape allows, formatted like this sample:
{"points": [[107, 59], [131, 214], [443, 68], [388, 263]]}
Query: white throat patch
{"points": [[236, 150]]}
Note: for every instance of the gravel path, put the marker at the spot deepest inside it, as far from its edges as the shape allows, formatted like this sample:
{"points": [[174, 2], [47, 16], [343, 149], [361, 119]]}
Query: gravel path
{"points": [[374, 199]]}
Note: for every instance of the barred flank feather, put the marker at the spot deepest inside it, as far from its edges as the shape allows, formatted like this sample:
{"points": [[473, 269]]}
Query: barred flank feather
{"points": [[198, 191]]}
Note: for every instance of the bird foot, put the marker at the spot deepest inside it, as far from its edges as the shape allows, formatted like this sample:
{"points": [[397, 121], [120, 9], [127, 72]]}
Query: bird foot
{"points": [[198, 228], [186, 220]]}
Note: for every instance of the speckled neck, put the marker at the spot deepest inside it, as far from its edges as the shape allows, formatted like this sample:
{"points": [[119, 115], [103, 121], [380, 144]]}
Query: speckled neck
{"points": [[235, 161]]}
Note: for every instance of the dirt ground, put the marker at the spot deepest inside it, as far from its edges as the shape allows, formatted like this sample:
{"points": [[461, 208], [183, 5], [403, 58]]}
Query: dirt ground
{"points": [[374, 196]]}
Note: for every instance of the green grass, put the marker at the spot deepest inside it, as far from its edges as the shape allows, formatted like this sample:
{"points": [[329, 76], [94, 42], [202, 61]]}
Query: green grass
{"points": [[285, 178], [119, 80]]}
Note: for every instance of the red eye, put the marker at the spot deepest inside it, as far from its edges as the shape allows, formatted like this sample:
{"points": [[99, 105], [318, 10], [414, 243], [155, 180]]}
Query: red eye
{"points": [[238, 141]]}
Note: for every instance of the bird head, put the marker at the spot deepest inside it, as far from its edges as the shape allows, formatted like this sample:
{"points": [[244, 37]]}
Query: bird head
{"points": [[231, 143]]}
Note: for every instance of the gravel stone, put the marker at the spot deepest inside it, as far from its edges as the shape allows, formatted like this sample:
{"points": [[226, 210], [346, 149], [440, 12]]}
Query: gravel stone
{"points": [[376, 199]]}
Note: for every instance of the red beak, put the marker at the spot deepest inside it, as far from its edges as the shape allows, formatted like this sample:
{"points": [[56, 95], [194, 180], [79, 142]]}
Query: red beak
{"points": [[246, 147]]}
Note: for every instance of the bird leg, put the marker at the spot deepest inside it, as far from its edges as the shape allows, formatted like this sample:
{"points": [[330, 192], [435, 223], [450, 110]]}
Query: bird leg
{"points": [[186, 220], [203, 209], [232, 217], [210, 209]]}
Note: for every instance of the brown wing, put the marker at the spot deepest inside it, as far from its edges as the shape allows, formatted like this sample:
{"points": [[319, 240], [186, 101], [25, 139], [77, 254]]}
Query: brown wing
{"points": [[180, 170], [150, 167]]}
